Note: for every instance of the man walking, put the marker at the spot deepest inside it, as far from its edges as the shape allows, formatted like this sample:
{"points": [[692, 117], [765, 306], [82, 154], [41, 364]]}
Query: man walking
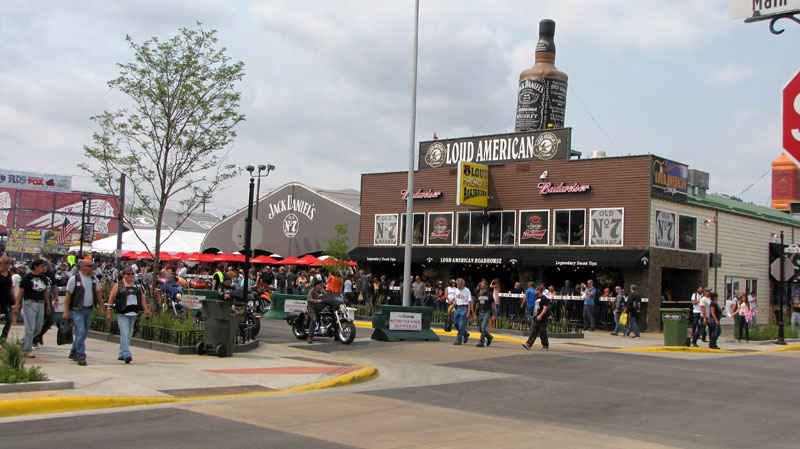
{"points": [[34, 288], [461, 299], [632, 308], [697, 317], [483, 307], [705, 305], [588, 305], [619, 304], [539, 326], [83, 291]]}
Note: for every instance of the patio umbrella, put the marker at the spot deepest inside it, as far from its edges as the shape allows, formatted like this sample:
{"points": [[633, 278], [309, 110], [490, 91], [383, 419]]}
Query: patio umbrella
{"points": [[194, 257], [291, 260], [129, 255], [229, 258], [309, 259], [181, 256], [143, 255], [264, 259], [206, 257]]}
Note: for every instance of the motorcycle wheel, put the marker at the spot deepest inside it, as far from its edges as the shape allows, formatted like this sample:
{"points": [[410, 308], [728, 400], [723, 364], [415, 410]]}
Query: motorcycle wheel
{"points": [[348, 332], [254, 321], [299, 332]]}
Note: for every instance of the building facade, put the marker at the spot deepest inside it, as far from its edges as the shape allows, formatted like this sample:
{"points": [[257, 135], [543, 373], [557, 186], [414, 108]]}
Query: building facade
{"points": [[549, 217]]}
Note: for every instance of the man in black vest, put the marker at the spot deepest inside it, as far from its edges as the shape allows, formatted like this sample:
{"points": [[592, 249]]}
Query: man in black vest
{"points": [[83, 291]]}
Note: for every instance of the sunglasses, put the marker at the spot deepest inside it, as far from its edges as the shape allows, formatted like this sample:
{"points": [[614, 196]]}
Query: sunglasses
{"points": [[127, 274]]}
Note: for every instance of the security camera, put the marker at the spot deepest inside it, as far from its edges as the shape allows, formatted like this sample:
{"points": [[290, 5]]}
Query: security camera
{"points": [[544, 175]]}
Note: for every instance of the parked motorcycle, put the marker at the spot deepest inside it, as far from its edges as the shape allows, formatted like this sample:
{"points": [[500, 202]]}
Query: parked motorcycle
{"points": [[333, 321]]}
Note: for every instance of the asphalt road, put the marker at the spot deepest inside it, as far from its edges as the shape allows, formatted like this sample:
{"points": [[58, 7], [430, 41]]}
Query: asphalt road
{"points": [[564, 398]]}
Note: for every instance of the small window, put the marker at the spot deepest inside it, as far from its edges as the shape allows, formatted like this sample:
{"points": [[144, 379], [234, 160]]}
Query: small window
{"points": [[418, 233], [502, 228], [570, 227], [470, 228], [687, 233]]}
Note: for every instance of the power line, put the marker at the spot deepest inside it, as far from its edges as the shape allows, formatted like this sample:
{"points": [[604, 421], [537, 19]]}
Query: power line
{"points": [[755, 182], [595, 121]]}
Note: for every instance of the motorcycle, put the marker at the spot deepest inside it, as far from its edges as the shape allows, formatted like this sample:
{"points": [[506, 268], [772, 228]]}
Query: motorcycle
{"points": [[333, 321]]}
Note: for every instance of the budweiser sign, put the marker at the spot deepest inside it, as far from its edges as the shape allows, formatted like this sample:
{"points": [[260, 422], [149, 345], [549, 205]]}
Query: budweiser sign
{"points": [[420, 194], [546, 188]]}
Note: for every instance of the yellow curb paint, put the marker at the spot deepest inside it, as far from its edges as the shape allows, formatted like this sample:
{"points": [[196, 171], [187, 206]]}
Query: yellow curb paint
{"points": [[678, 349], [784, 348], [56, 404]]}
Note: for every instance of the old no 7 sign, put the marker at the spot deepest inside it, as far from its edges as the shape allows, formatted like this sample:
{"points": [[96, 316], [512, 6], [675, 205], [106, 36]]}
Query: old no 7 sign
{"points": [[791, 117]]}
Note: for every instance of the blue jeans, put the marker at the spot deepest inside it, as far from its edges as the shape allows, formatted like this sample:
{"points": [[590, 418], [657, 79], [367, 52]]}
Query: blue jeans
{"points": [[529, 314], [460, 321], [33, 312], [714, 330], [419, 302], [633, 325], [83, 320], [795, 321], [753, 320], [483, 324], [313, 322], [619, 326], [125, 324]]}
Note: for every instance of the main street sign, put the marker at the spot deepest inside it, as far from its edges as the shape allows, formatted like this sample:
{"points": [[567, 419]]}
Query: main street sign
{"points": [[791, 117], [743, 9]]}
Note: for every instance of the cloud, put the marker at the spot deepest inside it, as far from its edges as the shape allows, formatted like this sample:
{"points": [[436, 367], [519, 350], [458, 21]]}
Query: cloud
{"points": [[729, 75]]}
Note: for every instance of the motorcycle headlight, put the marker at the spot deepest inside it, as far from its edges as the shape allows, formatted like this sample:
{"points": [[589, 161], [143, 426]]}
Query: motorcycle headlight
{"points": [[343, 308]]}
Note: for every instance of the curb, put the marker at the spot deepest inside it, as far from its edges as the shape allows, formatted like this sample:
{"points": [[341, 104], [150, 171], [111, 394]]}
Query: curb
{"points": [[56, 404]]}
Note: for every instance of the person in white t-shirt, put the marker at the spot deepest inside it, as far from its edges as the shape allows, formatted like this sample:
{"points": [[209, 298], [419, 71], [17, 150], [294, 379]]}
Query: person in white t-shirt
{"points": [[461, 302], [696, 315], [705, 305]]}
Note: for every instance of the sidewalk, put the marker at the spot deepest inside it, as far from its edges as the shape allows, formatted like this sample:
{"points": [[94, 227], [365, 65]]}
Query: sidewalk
{"points": [[157, 377]]}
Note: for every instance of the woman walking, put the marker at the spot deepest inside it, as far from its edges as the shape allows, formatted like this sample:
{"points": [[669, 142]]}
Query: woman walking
{"points": [[741, 311], [127, 299]]}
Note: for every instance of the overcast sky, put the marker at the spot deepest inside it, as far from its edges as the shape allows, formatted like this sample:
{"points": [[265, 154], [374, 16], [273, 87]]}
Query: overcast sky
{"points": [[327, 87]]}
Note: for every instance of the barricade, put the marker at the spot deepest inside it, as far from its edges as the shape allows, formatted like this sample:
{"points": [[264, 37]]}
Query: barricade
{"points": [[398, 323], [278, 310]]}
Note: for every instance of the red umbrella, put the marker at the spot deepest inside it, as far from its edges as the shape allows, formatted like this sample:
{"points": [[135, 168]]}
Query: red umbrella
{"points": [[229, 258], [129, 255], [195, 257], [206, 257], [167, 257], [143, 255], [291, 261], [180, 256], [264, 259], [309, 259]]}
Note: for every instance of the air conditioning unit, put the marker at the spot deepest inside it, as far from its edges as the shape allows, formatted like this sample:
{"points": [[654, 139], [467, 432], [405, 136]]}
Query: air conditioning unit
{"points": [[715, 260]]}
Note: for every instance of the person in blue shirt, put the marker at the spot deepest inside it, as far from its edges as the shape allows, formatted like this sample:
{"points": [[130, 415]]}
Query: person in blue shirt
{"points": [[529, 301], [588, 305]]}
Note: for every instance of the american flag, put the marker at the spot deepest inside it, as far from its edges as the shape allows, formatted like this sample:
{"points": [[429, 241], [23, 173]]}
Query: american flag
{"points": [[66, 229]]}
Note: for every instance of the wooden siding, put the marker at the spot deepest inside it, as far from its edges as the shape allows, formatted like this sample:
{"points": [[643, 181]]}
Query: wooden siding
{"points": [[743, 243], [616, 182]]}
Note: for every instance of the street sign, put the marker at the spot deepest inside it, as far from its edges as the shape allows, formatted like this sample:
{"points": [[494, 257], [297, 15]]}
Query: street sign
{"points": [[742, 9], [256, 235], [791, 117], [788, 269]]}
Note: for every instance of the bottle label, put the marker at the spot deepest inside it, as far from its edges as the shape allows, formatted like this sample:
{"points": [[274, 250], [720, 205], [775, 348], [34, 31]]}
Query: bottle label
{"points": [[541, 101]]}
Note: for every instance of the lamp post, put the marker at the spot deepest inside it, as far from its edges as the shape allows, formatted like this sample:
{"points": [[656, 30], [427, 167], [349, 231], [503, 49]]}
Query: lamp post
{"points": [[84, 198], [248, 222]]}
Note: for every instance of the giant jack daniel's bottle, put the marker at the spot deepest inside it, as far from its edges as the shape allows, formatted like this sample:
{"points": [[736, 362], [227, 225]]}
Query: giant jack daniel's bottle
{"points": [[542, 97]]}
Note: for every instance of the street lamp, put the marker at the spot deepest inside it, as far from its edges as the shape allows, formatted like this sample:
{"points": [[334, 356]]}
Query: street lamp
{"points": [[84, 198], [248, 222], [261, 168]]}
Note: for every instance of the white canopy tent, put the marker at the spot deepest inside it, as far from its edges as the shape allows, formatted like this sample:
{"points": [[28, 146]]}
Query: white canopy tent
{"points": [[179, 241]]}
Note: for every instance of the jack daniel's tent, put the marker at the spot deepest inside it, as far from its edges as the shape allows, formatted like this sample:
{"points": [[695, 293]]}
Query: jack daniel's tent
{"points": [[293, 220]]}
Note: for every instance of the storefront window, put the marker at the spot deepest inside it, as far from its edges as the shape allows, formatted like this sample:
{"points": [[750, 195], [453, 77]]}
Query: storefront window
{"points": [[501, 228], [470, 228], [418, 232], [570, 227], [736, 285], [687, 233]]}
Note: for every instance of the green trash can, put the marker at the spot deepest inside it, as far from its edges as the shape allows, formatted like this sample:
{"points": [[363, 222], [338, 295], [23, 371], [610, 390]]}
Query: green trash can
{"points": [[221, 327], [676, 323]]}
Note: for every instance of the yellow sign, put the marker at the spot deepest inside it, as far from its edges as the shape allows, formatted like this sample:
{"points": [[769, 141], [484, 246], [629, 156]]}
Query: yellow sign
{"points": [[473, 184]]}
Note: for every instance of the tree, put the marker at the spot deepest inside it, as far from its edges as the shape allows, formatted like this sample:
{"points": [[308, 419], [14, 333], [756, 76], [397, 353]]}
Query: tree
{"points": [[337, 250], [174, 140]]}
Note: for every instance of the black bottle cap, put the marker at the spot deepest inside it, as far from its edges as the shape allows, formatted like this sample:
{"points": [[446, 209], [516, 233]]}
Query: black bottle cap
{"points": [[547, 28]]}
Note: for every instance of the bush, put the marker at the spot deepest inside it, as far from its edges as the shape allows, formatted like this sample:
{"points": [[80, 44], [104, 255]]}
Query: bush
{"points": [[766, 332], [12, 365]]}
